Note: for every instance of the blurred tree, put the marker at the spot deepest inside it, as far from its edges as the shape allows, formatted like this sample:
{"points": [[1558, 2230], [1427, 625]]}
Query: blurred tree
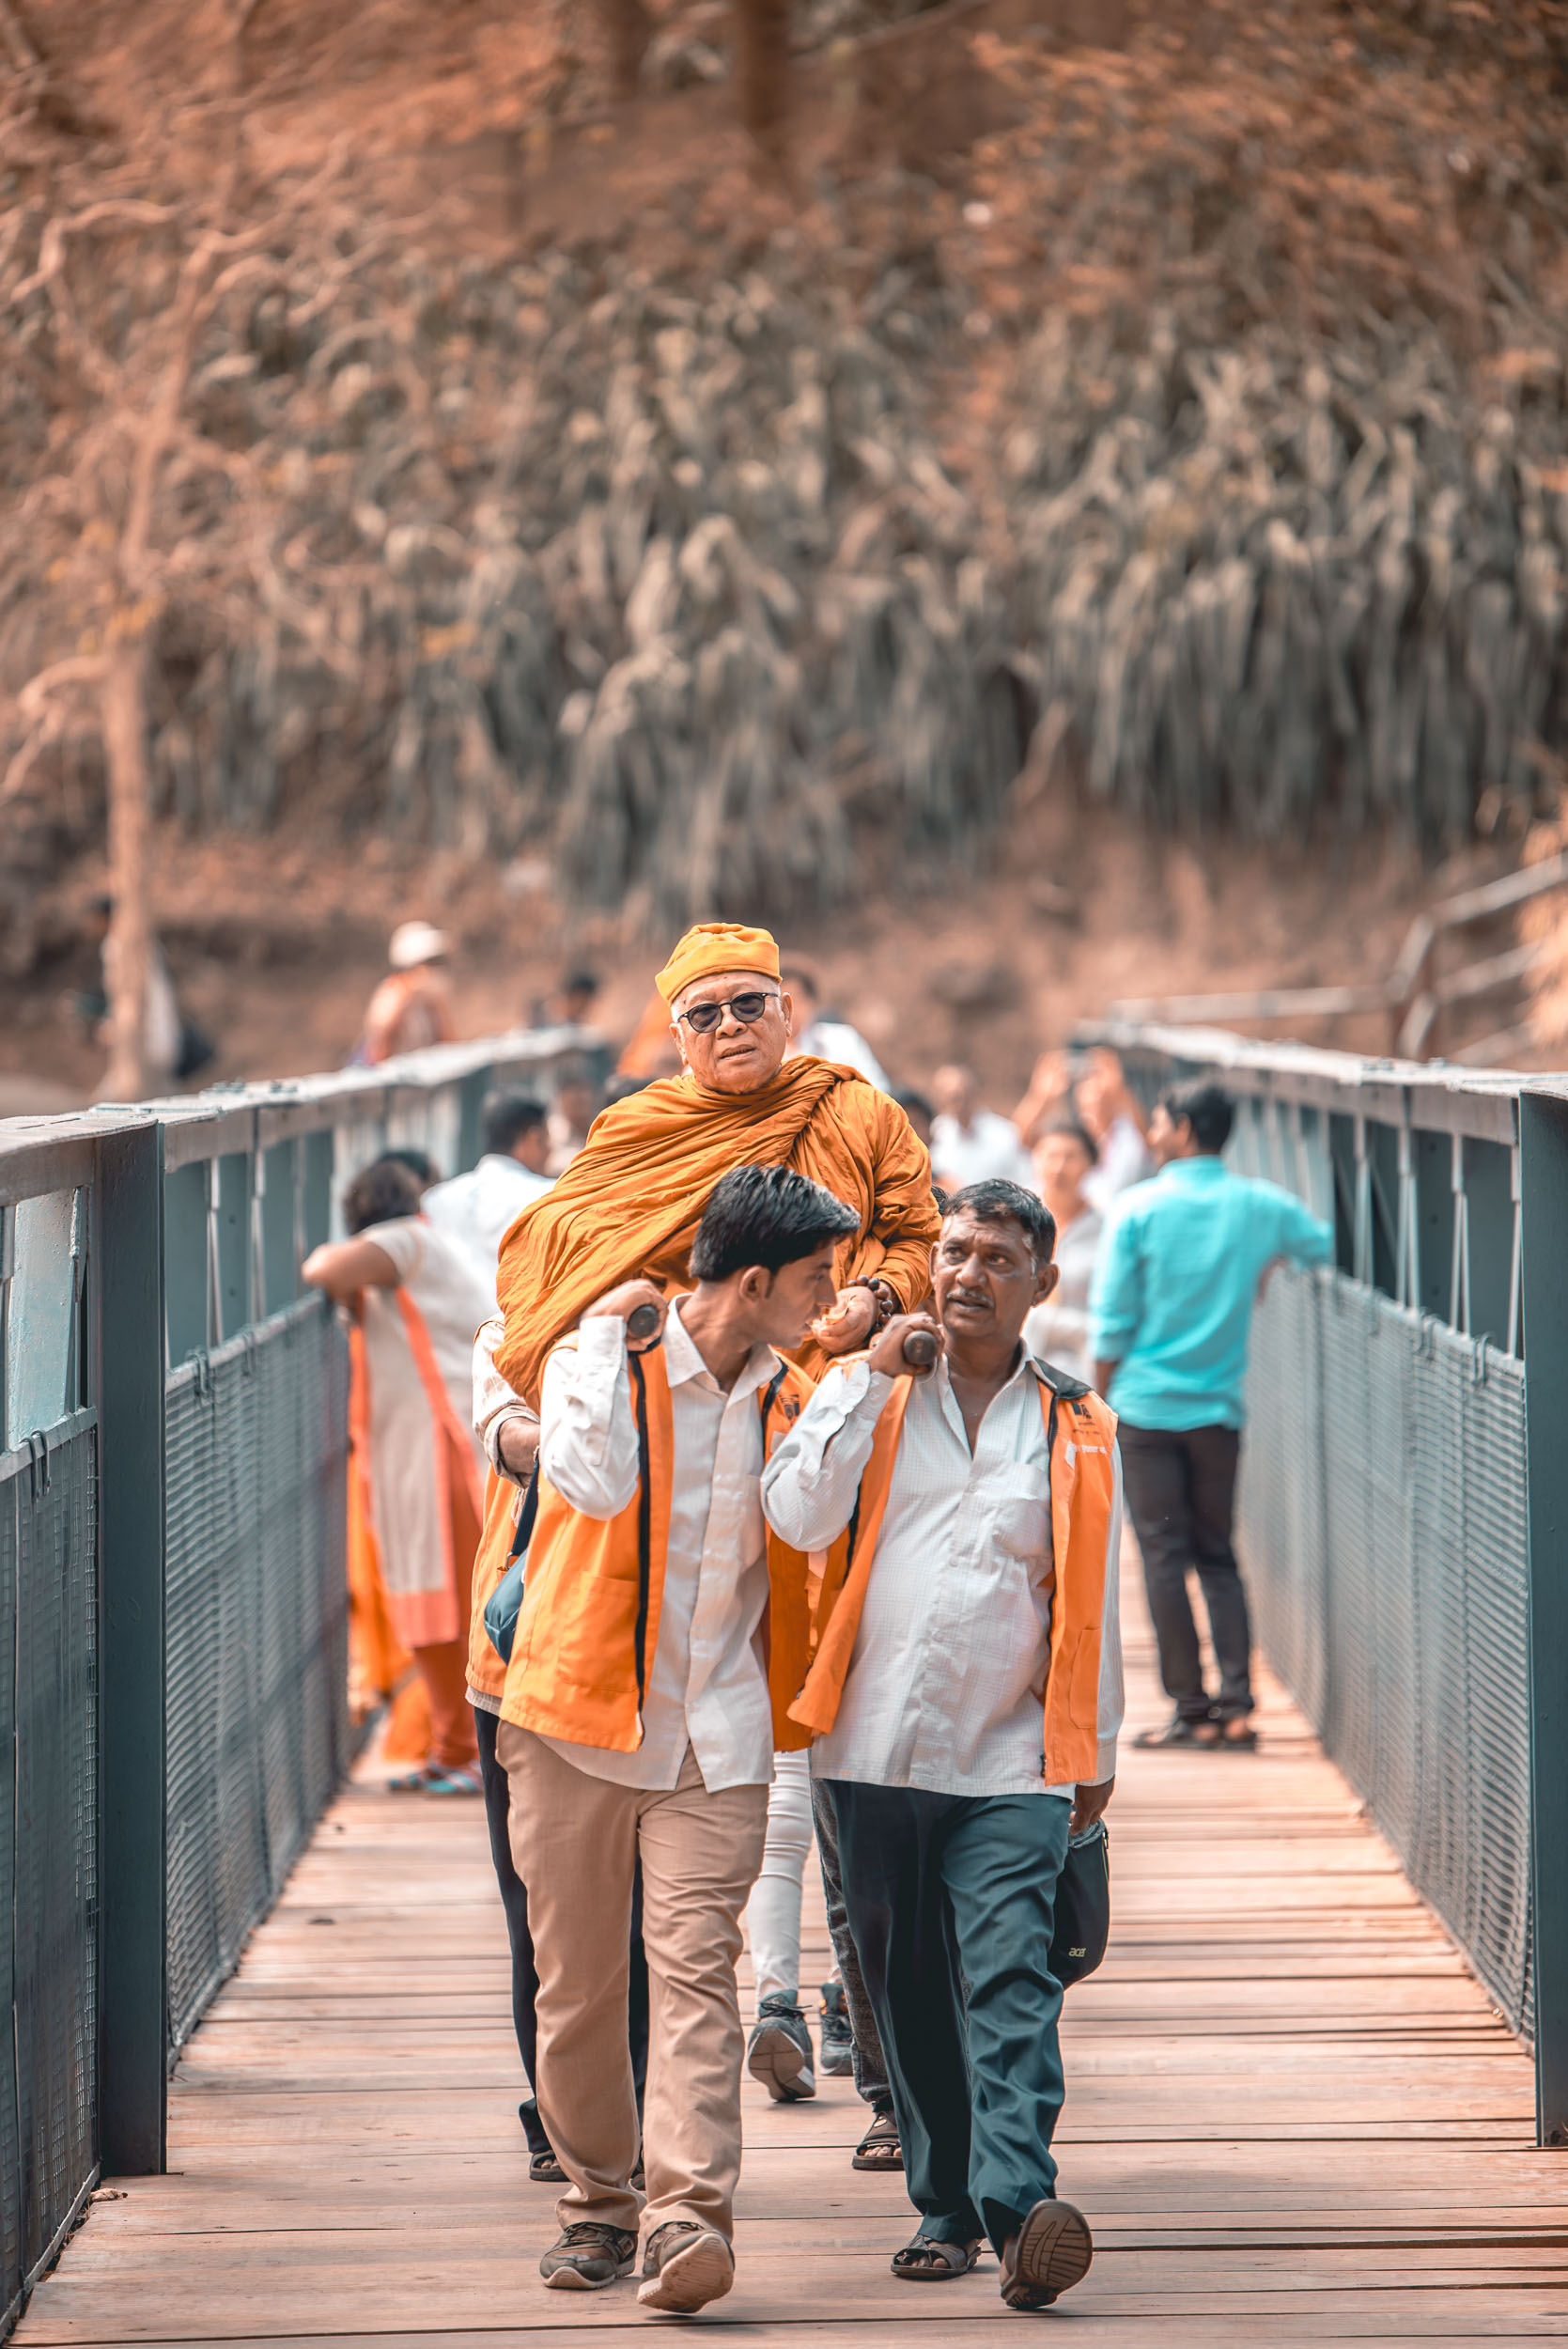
{"points": [[762, 71]]}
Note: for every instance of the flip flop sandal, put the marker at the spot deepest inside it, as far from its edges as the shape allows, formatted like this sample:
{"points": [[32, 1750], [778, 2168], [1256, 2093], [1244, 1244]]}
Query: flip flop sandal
{"points": [[880, 2148], [1243, 1742], [544, 2170], [928, 2260], [464, 1780], [412, 1781]]}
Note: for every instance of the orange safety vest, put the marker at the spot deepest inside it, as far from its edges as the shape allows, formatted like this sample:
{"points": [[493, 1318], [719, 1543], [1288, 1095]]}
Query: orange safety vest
{"points": [[1082, 1491], [594, 1589]]}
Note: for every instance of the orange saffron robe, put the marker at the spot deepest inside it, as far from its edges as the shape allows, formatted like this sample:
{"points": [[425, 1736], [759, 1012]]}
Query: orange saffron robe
{"points": [[631, 1202]]}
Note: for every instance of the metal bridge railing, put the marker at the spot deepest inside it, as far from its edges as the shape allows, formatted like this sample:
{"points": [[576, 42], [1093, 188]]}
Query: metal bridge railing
{"points": [[173, 1595], [1404, 1495]]}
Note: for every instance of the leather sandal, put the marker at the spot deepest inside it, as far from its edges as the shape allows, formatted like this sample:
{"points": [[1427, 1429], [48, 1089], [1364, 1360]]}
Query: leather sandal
{"points": [[880, 2148], [928, 2260], [1178, 1731]]}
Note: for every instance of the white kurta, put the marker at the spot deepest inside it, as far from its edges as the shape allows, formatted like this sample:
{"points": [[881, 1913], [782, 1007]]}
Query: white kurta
{"points": [[408, 1438]]}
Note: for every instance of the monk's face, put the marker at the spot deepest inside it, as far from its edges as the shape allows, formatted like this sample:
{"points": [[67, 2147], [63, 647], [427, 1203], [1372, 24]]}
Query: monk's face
{"points": [[735, 1056]]}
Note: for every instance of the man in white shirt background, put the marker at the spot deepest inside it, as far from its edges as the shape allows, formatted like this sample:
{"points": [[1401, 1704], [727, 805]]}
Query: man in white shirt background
{"points": [[971, 1144], [823, 1032], [967, 1690], [480, 1208], [639, 1720]]}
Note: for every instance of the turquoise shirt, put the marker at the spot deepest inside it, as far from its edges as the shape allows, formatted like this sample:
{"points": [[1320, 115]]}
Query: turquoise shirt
{"points": [[1177, 1279]]}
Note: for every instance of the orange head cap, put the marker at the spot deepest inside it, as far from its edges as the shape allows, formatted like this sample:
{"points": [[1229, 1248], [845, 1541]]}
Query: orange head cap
{"points": [[718, 946]]}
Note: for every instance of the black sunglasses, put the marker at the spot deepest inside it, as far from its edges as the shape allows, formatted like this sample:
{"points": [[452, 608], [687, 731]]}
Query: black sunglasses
{"points": [[747, 1008]]}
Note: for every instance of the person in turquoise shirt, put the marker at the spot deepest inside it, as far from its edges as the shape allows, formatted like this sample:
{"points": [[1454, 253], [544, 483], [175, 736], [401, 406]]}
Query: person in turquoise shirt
{"points": [[1180, 1271]]}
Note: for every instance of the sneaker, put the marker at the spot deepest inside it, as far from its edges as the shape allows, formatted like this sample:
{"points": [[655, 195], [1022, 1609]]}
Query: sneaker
{"points": [[779, 2054], [684, 2267], [1051, 2251], [838, 2046], [588, 2257]]}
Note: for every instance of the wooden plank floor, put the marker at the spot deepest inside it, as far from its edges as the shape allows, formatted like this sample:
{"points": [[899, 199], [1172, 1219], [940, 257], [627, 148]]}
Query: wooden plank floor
{"points": [[1291, 2115]]}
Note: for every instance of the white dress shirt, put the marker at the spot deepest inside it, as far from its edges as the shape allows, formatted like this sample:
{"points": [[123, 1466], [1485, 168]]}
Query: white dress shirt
{"points": [[946, 1683], [989, 1148], [836, 1040], [479, 1208], [705, 1683]]}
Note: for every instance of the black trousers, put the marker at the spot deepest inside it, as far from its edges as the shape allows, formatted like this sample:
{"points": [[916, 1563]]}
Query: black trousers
{"points": [[525, 1979], [948, 1890], [1180, 1486], [871, 2072]]}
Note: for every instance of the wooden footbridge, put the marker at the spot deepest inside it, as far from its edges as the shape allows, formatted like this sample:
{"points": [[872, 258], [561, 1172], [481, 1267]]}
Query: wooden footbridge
{"points": [[1302, 2105]]}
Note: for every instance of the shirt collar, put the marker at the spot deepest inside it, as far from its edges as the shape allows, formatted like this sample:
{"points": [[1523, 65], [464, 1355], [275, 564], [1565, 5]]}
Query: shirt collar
{"points": [[1200, 1169], [683, 1362]]}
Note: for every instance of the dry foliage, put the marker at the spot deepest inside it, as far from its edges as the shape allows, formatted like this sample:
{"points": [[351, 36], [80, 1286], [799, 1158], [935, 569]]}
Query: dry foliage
{"points": [[1216, 429]]}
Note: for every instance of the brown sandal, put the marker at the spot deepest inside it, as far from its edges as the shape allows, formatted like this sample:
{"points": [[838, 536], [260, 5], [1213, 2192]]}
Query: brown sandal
{"points": [[881, 2147], [929, 2261]]}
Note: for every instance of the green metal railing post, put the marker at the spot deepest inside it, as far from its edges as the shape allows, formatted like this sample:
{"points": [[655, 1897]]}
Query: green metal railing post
{"points": [[129, 1386], [1543, 1217]]}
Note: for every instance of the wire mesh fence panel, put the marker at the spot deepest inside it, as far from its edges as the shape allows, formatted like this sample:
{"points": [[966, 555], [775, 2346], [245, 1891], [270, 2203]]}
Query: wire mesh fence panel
{"points": [[1281, 1495], [257, 1603], [1415, 1561], [11, 1492], [54, 1910]]}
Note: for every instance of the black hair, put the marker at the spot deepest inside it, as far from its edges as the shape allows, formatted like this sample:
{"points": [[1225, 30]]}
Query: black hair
{"points": [[1080, 1132], [419, 1163], [799, 971], [1207, 1107], [997, 1202], [622, 1089], [907, 1099], [581, 983], [103, 906], [382, 1193], [508, 1117], [768, 1215]]}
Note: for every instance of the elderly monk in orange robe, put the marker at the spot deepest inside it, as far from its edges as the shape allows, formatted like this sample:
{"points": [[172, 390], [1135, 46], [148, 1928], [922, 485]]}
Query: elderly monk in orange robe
{"points": [[631, 1202]]}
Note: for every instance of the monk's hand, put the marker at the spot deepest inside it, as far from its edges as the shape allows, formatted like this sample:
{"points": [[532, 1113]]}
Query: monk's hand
{"points": [[847, 1324], [633, 1297], [1089, 1804], [888, 1355]]}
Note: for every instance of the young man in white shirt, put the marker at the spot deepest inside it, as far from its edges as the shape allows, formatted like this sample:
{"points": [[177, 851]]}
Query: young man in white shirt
{"points": [[967, 1692], [662, 1634], [480, 1208]]}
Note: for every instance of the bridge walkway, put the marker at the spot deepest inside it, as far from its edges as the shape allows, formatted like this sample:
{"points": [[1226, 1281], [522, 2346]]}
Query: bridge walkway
{"points": [[1292, 2115]]}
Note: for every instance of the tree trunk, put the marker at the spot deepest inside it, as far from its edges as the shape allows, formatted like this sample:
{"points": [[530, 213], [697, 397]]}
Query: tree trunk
{"points": [[630, 29], [130, 934], [762, 71]]}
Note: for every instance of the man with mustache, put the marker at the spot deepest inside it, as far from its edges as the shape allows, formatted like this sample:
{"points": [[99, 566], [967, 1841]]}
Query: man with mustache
{"points": [[966, 1696]]}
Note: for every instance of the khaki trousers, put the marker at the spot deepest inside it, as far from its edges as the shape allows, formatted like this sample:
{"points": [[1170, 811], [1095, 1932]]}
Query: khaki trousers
{"points": [[575, 1843]]}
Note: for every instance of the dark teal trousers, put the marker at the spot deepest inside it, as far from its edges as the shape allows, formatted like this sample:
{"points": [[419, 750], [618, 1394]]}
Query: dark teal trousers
{"points": [[949, 1892]]}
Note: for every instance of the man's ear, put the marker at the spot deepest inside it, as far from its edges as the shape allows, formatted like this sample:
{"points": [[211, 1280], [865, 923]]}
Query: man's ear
{"points": [[754, 1286], [786, 1005], [1046, 1280]]}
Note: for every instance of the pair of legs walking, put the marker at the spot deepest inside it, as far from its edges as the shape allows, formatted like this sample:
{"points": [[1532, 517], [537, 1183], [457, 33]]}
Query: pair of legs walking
{"points": [[1180, 1487], [951, 1900], [525, 1979], [576, 1842]]}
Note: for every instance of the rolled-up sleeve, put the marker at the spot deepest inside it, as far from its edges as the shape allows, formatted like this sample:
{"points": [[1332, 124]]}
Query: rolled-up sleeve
{"points": [[588, 1438], [1116, 1300], [810, 1485], [495, 1404], [1302, 1238]]}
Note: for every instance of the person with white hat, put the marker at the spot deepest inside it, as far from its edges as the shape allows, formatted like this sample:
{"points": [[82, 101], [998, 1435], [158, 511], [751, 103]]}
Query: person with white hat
{"points": [[412, 1005]]}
